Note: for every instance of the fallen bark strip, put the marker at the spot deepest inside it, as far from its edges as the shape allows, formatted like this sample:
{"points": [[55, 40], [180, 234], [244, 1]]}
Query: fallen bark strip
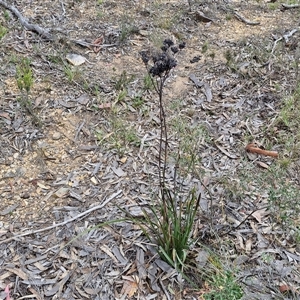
{"points": [[288, 6], [252, 148], [65, 222], [87, 44], [240, 18], [32, 27]]}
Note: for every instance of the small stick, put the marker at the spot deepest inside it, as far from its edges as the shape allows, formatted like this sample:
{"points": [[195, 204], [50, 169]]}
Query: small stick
{"points": [[247, 217], [65, 222], [254, 149]]}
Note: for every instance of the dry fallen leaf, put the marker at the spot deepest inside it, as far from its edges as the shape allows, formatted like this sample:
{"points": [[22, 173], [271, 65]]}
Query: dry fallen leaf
{"points": [[105, 105], [98, 41], [129, 286], [248, 245], [6, 291], [259, 214], [75, 59], [262, 165], [284, 288]]}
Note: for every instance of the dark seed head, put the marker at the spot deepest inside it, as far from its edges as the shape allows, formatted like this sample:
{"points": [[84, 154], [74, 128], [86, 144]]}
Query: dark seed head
{"points": [[174, 49], [168, 42], [164, 48], [182, 45], [145, 57]]}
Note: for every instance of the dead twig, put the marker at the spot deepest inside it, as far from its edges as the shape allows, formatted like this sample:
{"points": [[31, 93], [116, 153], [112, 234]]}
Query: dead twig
{"points": [[241, 223], [33, 27], [240, 18], [87, 44], [65, 222]]}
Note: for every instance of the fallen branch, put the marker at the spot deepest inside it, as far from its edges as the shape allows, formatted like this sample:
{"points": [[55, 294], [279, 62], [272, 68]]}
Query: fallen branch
{"points": [[65, 222], [252, 148], [33, 27], [240, 18]]}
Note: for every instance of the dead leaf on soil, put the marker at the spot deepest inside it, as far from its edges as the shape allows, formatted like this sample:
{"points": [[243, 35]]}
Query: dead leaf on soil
{"points": [[259, 214], [62, 192], [130, 286], [105, 105], [262, 165], [202, 258], [140, 263], [8, 210], [98, 42], [6, 291], [75, 59], [119, 172]]}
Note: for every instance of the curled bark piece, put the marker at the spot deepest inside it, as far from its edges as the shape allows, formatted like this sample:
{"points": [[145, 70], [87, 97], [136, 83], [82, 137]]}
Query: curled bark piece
{"points": [[254, 149]]}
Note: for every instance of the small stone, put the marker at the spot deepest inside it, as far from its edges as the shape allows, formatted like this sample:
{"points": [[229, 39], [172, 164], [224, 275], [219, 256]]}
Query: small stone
{"points": [[94, 181], [56, 136], [25, 195], [123, 159]]}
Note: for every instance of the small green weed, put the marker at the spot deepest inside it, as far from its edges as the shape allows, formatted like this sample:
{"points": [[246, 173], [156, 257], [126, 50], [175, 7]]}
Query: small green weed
{"points": [[24, 79], [127, 28], [137, 102], [283, 199], [228, 56], [288, 113], [118, 136], [132, 138], [123, 81], [165, 22], [287, 125], [273, 6], [228, 16], [148, 83], [6, 15], [121, 96], [72, 73], [3, 31], [291, 2], [204, 47], [24, 75], [56, 59], [224, 287]]}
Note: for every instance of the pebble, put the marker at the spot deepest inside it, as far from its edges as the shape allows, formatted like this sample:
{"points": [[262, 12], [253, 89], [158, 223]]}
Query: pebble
{"points": [[56, 136]]}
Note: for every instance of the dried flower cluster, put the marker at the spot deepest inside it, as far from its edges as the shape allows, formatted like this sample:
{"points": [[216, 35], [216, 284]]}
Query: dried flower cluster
{"points": [[162, 62]]}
